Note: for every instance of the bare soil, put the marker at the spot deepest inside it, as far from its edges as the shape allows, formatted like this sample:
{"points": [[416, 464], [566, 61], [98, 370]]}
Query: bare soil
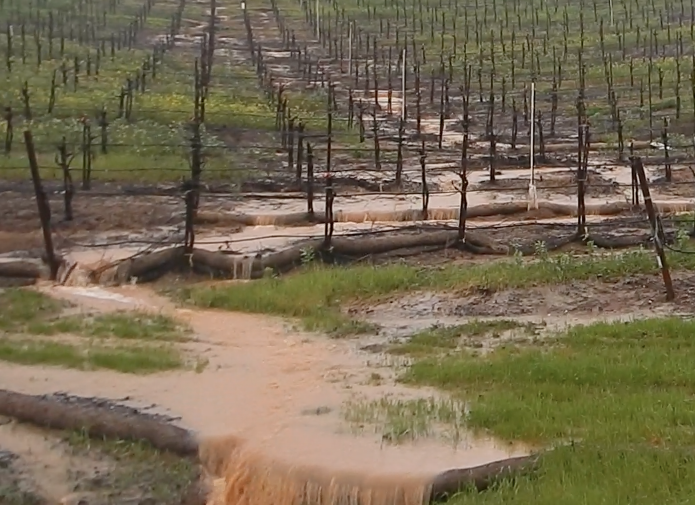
{"points": [[594, 298], [551, 308], [560, 183]]}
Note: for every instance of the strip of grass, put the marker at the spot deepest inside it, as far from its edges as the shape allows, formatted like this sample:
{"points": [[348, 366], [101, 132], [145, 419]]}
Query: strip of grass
{"points": [[28, 315], [623, 391], [135, 326], [126, 359], [23, 306], [34, 313], [315, 294]]}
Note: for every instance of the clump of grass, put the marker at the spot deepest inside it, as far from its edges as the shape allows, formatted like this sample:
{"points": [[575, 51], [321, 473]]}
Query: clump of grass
{"points": [[437, 339], [315, 294], [11, 493], [621, 391], [134, 326], [402, 420]]}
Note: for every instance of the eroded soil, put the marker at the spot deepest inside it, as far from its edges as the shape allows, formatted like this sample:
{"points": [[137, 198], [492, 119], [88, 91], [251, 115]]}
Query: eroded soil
{"points": [[282, 390], [547, 309]]}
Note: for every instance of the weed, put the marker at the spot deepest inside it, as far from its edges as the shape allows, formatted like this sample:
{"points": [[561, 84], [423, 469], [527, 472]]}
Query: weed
{"points": [[398, 421]]}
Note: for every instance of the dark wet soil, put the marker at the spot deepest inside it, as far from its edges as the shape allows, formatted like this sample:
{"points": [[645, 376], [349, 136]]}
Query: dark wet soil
{"points": [[563, 183], [682, 183], [594, 298]]}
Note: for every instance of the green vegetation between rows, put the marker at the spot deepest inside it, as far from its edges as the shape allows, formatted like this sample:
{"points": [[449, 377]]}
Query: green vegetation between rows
{"points": [[616, 399], [317, 295], [36, 330]]}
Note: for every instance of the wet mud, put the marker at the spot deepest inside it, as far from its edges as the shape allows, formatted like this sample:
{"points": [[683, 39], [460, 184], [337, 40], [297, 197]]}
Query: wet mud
{"points": [[45, 467], [527, 313]]}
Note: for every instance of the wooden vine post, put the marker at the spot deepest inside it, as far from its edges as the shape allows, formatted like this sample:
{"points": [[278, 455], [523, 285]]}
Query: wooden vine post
{"points": [[63, 160], [42, 204], [582, 154], [423, 174], [463, 173], [329, 225], [309, 179], [634, 180], [655, 223]]}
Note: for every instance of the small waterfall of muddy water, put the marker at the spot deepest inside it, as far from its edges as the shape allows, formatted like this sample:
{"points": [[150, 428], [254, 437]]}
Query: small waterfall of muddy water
{"points": [[255, 408], [252, 477]]}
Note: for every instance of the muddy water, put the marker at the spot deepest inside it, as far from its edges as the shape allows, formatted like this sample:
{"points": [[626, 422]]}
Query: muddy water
{"points": [[251, 241], [261, 381]]}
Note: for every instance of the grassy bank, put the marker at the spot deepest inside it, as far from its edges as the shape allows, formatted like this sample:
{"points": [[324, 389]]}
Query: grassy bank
{"points": [[314, 295], [38, 330], [621, 391]]}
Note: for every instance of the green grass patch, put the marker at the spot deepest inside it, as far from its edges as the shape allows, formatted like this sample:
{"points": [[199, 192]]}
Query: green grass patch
{"points": [[622, 391], [317, 295], [126, 359], [135, 326], [128, 342], [22, 307], [34, 313]]}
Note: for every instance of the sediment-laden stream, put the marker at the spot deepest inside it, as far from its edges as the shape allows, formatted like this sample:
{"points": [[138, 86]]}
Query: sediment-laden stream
{"points": [[278, 390]]}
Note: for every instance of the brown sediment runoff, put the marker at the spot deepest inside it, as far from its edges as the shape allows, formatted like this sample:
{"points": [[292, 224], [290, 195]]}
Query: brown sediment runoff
{"points": [[554, 208], [249, 409], [250, 476], [253, 479], [311, 466]]}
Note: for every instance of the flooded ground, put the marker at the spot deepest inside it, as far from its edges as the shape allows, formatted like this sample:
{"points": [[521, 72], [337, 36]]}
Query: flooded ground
{"points": [[118, 226], [301, 402], [280, 390], [296, 399]]}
